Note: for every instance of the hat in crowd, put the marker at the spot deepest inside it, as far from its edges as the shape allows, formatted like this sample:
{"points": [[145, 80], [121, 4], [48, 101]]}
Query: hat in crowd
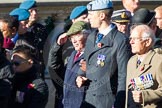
{"points": [[21, 14], [121, 16], [78, 11], [77, 27], [99, 5], [28, 4], [143, 16]]}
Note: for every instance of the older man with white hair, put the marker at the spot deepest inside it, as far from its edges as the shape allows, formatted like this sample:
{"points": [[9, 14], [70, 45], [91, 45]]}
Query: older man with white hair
{"points": [[144, 80]]}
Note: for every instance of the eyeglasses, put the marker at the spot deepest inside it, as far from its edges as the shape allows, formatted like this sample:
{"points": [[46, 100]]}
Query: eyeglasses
{"points": [[137, 38], [16, 63]]}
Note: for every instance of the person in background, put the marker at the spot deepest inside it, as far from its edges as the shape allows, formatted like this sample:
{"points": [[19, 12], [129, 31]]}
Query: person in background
{"points": [[29, 90], [144, 80], [6, 74], [37, 30], [22, 15], [122, 18], [145, 16], [158, 18], [131, 5], [57, 72], [106, 54], [9, 27]]}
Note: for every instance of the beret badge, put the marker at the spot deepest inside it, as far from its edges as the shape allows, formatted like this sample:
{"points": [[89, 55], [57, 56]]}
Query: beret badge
{"points": [[124, 15], [89, 6]]}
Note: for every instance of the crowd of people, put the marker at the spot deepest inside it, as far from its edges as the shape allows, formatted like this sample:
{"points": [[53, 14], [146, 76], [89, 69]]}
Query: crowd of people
{"points": [[104, 58]]}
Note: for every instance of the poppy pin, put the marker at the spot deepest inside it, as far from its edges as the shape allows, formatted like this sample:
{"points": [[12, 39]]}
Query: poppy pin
{"points": [[31, 86]]}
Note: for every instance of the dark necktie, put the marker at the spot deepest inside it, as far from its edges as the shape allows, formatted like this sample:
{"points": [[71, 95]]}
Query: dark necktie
{"points": [[138, 62], [76, 56], [99, 37]]}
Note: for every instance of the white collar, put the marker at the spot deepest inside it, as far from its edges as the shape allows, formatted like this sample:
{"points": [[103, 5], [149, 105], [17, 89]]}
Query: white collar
{"points": [[107, 30]]}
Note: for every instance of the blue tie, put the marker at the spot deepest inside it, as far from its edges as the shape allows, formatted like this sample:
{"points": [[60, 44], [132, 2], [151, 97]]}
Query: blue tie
{"points": [[99, 37]]}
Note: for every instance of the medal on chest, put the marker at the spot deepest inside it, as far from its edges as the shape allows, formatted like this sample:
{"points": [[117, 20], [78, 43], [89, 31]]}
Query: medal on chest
{"points": [[142, 82], [20, 96], [101, 60]]}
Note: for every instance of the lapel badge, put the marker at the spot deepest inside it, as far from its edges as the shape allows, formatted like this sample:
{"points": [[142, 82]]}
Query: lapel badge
{"points": [[142, 68], [99, 45], [31, 86]]}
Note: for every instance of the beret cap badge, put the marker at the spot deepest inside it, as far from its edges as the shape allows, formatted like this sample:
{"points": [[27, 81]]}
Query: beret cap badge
{"points": [[124, 15]]}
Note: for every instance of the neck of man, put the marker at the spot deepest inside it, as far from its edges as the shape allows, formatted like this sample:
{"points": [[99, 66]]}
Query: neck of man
{"points": [[103, 25], [143, 55]]}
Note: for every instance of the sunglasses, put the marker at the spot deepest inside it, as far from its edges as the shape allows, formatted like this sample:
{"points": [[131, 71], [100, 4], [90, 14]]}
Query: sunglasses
{"points": [[18, 63]]}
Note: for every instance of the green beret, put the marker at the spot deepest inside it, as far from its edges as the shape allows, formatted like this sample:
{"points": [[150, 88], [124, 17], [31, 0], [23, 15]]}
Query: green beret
{"points": [[77, 27]]}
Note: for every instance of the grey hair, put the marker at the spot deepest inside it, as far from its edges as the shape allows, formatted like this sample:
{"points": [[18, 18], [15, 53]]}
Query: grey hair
{"points": [[147, 32]]}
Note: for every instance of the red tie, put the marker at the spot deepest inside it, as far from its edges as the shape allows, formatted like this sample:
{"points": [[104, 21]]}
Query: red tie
{"points": [[76, 56]]}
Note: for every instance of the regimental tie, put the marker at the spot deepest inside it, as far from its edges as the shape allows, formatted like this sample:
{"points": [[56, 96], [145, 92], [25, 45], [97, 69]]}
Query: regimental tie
{"points": [[77, 56], [99, 37], [138, 62]]}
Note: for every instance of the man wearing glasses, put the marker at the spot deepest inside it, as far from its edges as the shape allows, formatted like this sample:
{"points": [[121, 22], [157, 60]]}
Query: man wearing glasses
{"points": [[144, 81]]}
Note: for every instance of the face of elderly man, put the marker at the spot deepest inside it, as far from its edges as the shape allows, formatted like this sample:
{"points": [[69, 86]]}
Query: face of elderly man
{"points": [[78, 41], [140, 40]]}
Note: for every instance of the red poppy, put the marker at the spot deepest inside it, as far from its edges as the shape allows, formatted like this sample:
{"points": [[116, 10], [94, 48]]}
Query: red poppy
{"points": [[31, 86], [99, 45], [141, 68]]}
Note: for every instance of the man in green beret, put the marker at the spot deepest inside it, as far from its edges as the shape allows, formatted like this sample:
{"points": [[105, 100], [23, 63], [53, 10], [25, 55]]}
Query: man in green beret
{"points": [[78, 32]]}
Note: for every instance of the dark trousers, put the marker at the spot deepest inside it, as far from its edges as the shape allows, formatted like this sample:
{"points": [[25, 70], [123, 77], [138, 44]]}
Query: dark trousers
{"points": [[4, 102], [58, 95]]}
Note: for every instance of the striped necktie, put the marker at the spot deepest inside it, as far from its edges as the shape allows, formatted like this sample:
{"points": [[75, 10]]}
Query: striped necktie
{"points": [[99, 37]]}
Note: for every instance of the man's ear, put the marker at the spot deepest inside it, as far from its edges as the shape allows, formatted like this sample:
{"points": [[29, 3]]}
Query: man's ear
{"points": [[148, 42], [102, 15]]}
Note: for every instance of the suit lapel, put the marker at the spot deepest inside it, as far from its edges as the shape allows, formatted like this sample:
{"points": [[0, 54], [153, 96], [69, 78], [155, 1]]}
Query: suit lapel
{"points": [[71, 60], [145, 64], [107, 41]]}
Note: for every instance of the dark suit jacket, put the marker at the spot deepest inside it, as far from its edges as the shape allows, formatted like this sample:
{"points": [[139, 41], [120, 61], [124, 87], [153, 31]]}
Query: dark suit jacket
{"points": [[73, 96], [106, 82]]}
